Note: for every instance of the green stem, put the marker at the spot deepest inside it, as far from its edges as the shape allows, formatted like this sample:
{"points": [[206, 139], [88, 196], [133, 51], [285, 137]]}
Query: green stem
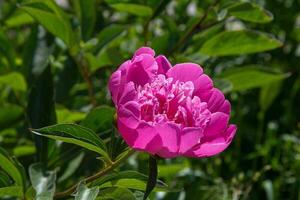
{"points": [[89, 179]]}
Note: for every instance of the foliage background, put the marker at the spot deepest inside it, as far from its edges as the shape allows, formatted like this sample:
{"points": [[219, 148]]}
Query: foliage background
{"points": [[55, 61]]}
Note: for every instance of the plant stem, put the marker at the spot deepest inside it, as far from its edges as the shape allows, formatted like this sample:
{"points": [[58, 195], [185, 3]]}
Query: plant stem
{"points": [[89, 179], [190, 32]]}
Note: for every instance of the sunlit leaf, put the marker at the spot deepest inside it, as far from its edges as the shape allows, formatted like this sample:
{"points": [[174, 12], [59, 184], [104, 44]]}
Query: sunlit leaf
{"points": [[19, 19], [12, 168], [75, 134], [12, 191], [85, 193], [14, 80], [68, 116], [249, 77], [10, 114], [239, 42], [49, 15], [24, 150], [129, 179], [99, 119], [42, 181], [116, 193], [250, 12], [134, 9]]}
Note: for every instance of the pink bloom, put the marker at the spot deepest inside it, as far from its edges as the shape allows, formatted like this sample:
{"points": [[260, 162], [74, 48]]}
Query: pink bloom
{"points": [[170, 111]]}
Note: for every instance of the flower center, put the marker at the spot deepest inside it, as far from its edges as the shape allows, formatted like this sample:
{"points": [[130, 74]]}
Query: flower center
{"points": [[164, 100]]}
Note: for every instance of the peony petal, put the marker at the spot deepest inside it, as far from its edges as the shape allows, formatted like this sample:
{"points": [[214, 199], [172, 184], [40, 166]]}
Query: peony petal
{"points": [[129, 93], [118, 80], [189, 137], [169, 134], [225, 107], [214, 147], [203, 85], [127, 124], [144, 50], [114, 85], [185, 72], [215, 100], [217, 125], [163, 64], [143, 68], [147, 139]]}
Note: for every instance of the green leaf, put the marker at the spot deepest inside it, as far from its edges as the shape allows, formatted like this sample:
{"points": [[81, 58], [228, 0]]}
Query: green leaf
{"points": [[85, 193], [250, 12], [42, 181], [14, 80], [99, 119], [24, 150], [134, 9], [12, 168], [239, 42], [268, 93], [108, 34], [87, 15], [75, 134], [9, 115], [19, 18], [67, 116], [129, 179], [7, 49], [116, 193], [49, 15], [249, 77], [73, 165], [15, 191]]}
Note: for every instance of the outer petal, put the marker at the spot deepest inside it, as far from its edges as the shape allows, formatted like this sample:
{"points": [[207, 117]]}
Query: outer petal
{"points": [[189, 137], [225, 107], [143, 68], [128, 121], [214, 98], [117, 81], [214, 147], [144, 50], [163, 64], [147, 139], [169, 134], [129, 93], [217, 125], [185, 72]]}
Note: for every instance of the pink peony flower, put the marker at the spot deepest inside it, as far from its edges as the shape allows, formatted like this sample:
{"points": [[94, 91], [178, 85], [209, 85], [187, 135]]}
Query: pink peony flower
{"points": [[170, 111]]}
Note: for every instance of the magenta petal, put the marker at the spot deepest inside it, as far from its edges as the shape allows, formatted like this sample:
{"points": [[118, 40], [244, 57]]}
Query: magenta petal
{"points": [[163, 64], [169, 134], [185, 72], [114, 85], [217, 125], [143, 68], [215, 146], [216, 100], [225, 107], [203, 85], [134, 108], [190, 136], [129, 93], [144, 50], [127, 124], [148, 139]]}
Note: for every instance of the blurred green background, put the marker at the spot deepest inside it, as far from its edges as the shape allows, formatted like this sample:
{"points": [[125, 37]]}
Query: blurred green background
{"points": [[56, 58]]}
